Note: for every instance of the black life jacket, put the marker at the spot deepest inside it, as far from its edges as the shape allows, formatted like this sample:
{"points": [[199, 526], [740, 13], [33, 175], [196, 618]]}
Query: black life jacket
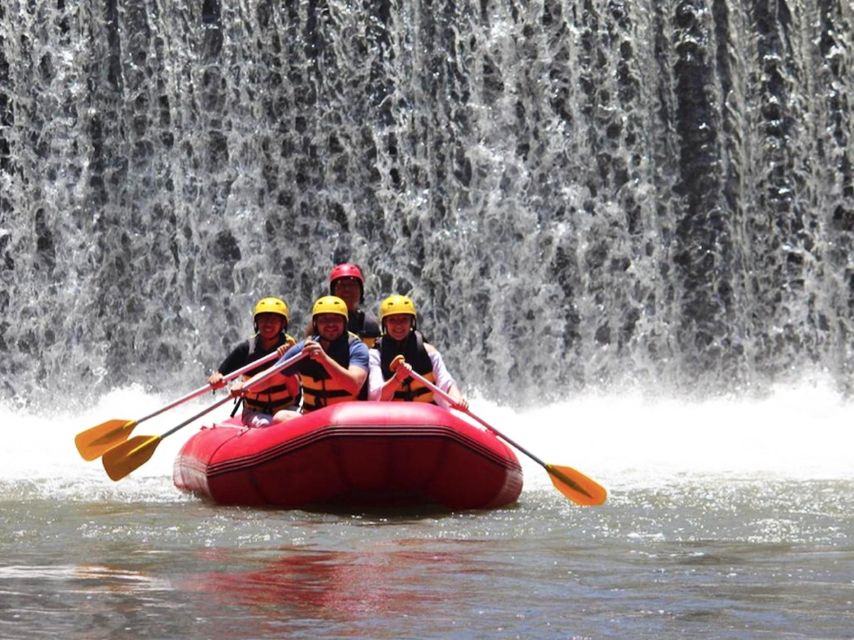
{"points": [[415, 353], [365, 326]]}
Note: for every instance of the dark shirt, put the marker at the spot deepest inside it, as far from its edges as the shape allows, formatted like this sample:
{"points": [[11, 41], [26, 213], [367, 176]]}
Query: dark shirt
{"points": [[364, 324], [246, 352]]}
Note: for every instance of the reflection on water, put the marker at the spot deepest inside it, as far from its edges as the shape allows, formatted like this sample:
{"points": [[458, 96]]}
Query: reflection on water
{"points": [[719, 557], [90, 577], [391, 579], [76, 600]]}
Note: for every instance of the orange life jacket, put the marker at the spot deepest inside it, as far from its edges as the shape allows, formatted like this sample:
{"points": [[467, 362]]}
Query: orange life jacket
{"points": [[318, 388]]}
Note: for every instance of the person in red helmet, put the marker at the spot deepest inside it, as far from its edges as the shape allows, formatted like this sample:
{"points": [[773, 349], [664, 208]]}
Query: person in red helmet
{"points": [[347, 282]]}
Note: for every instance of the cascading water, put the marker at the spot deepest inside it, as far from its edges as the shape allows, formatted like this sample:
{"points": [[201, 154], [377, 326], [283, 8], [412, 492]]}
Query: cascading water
{"points": [[577, 194]]}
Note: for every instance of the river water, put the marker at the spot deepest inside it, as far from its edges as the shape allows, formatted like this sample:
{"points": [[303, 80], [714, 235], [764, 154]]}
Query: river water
{"points": [[726, 519]]}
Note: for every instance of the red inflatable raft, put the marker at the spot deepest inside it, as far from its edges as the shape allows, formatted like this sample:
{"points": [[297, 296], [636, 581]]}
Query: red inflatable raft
{"points": [[379, 454]]}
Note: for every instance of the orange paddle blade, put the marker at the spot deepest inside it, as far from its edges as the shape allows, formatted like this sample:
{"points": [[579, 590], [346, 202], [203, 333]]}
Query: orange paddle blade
{"points": [[93, 442], [576, 486], [127, 456]]}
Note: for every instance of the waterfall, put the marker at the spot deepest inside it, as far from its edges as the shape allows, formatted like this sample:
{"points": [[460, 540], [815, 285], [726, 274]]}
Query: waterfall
{"points": [[578, 194]]}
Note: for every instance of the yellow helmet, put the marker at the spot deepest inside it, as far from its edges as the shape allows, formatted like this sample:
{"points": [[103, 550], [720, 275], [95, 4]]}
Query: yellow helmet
{"points": [[272, 305], [396, 304], [329, 304]]}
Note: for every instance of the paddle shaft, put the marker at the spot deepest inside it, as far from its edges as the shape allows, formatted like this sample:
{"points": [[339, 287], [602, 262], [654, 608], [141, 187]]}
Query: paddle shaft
{"points": [[196, 417], [126, 456], [452, 402], [260, 377], [578, 488], [210, 387], [249, 384]]}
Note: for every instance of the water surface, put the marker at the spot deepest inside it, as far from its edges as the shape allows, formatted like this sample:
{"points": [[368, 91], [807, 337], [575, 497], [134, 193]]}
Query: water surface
{"points": [[744, 546]]}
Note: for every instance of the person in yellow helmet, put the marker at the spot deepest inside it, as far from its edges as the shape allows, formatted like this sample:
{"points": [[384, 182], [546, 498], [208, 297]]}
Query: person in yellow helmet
{"points": [[336, 369], [270, 318], [400, 338]]}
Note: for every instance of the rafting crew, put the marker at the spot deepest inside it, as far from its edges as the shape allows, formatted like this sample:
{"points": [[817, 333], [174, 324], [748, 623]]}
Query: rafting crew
{"points": [[270, 319], [339, 365], [336, 368], [391, 379]]}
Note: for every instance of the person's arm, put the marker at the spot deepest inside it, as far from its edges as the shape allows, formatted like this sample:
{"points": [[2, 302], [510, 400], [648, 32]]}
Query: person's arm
{"points": [[402, 371], [375, 375], [233, 361], [445, 381], [350, 379]]}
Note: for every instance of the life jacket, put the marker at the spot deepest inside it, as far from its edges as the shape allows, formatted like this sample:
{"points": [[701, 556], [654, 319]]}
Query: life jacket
{"points": [[271, 399], [318, 388], [365, 326], [415, 353]]}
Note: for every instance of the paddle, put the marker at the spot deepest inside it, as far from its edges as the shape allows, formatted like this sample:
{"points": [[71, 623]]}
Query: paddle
{"points": [[124, 457], [571, 483], [93, 442]]}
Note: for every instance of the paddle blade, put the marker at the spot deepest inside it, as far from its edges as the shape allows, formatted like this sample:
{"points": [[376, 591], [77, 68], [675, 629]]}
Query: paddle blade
{"points": [[576, 486], [127, 456], [93, 442]]}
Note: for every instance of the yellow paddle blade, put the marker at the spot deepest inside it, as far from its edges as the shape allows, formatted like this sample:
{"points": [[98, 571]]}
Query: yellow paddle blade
{"points": [[93, 442], [576, 486], [127, 456]]}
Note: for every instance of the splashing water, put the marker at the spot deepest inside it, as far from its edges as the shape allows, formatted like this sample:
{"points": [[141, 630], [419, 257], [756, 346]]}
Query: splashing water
{"points": [[626, 442]]}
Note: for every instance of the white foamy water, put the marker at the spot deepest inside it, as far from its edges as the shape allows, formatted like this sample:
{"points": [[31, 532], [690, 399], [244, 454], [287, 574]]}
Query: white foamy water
{"points": [[624, 441]]}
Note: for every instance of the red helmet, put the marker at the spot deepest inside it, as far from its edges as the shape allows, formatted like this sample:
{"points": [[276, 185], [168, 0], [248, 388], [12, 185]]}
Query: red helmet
{"points": [[346, 270]]}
